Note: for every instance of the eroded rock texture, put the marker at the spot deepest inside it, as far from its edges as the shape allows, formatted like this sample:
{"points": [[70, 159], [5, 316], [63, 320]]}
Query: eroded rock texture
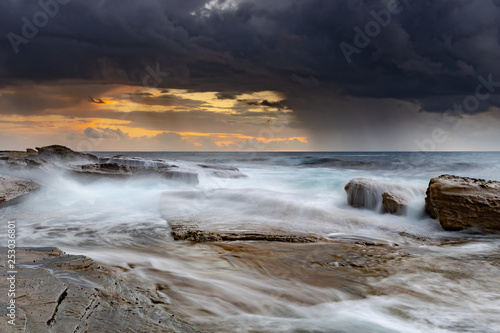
{"points": [[56, 292], [464, 203]]}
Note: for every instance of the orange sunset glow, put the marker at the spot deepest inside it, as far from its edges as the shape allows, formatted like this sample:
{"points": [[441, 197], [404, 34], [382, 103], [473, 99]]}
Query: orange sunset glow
{"points": [[121, 117]]}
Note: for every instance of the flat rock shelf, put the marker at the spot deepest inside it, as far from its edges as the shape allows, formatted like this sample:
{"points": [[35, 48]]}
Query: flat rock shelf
{"points": [[56, 292]]}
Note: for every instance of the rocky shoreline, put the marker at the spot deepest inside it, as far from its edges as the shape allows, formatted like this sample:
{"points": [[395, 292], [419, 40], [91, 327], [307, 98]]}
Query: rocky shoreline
{"points": [[88, 167]]}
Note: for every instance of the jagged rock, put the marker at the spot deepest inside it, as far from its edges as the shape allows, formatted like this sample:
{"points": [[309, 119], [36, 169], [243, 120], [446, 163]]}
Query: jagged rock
{"points": [[115, 170], [104, 169], [31, 152], [21, 163], [64, 154], [464, 203], [394, 203], [12, 188], [67, 293]]}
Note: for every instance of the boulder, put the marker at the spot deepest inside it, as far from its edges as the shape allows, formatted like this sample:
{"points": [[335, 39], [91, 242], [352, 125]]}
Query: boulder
{"points": [[364, 193], [12, 188], [464, 203], [64, 154], [393, 203], [383, 197]]}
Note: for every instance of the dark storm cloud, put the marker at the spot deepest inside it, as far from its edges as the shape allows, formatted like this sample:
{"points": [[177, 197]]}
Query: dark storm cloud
{"points": [[168, 100], [226, 95], [429, 49]]}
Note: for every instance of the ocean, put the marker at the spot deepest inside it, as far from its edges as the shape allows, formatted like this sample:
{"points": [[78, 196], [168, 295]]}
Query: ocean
{"points": [[382, 273]]}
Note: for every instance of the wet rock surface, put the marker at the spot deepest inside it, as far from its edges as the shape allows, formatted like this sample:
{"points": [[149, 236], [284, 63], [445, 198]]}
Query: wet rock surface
{"points": [[12, 189], [115, 170], [56, 292], [382, 197], [186, 230], [223, 171], [89, 167], [319, 264], [462, 203], [394, 203]]}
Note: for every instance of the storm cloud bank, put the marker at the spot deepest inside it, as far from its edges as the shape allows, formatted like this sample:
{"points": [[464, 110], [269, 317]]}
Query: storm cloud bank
{"points": [[335, 61]]}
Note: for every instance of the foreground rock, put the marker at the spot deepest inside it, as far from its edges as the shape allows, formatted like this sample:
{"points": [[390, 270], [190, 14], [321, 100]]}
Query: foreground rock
{"points": [[385, 197], [66, 293], [12, 189], [464, 203]]}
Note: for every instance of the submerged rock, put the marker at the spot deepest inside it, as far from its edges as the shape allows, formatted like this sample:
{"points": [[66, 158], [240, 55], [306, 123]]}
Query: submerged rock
{"points": [[464, 203], [56, 292], [222, 171], [64, 154], [12, 188]]}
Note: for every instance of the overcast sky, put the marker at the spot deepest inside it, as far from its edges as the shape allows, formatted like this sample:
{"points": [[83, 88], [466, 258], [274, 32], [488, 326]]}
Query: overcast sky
{"points": [[250, 74]]}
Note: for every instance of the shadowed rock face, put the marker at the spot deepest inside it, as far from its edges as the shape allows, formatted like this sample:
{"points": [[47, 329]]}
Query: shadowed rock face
{"points": [[12, 188], [464, 203], [56, 292]]}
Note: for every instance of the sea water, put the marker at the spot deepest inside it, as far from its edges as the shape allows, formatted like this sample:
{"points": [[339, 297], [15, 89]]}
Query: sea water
{"points": [[449, 285]]}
